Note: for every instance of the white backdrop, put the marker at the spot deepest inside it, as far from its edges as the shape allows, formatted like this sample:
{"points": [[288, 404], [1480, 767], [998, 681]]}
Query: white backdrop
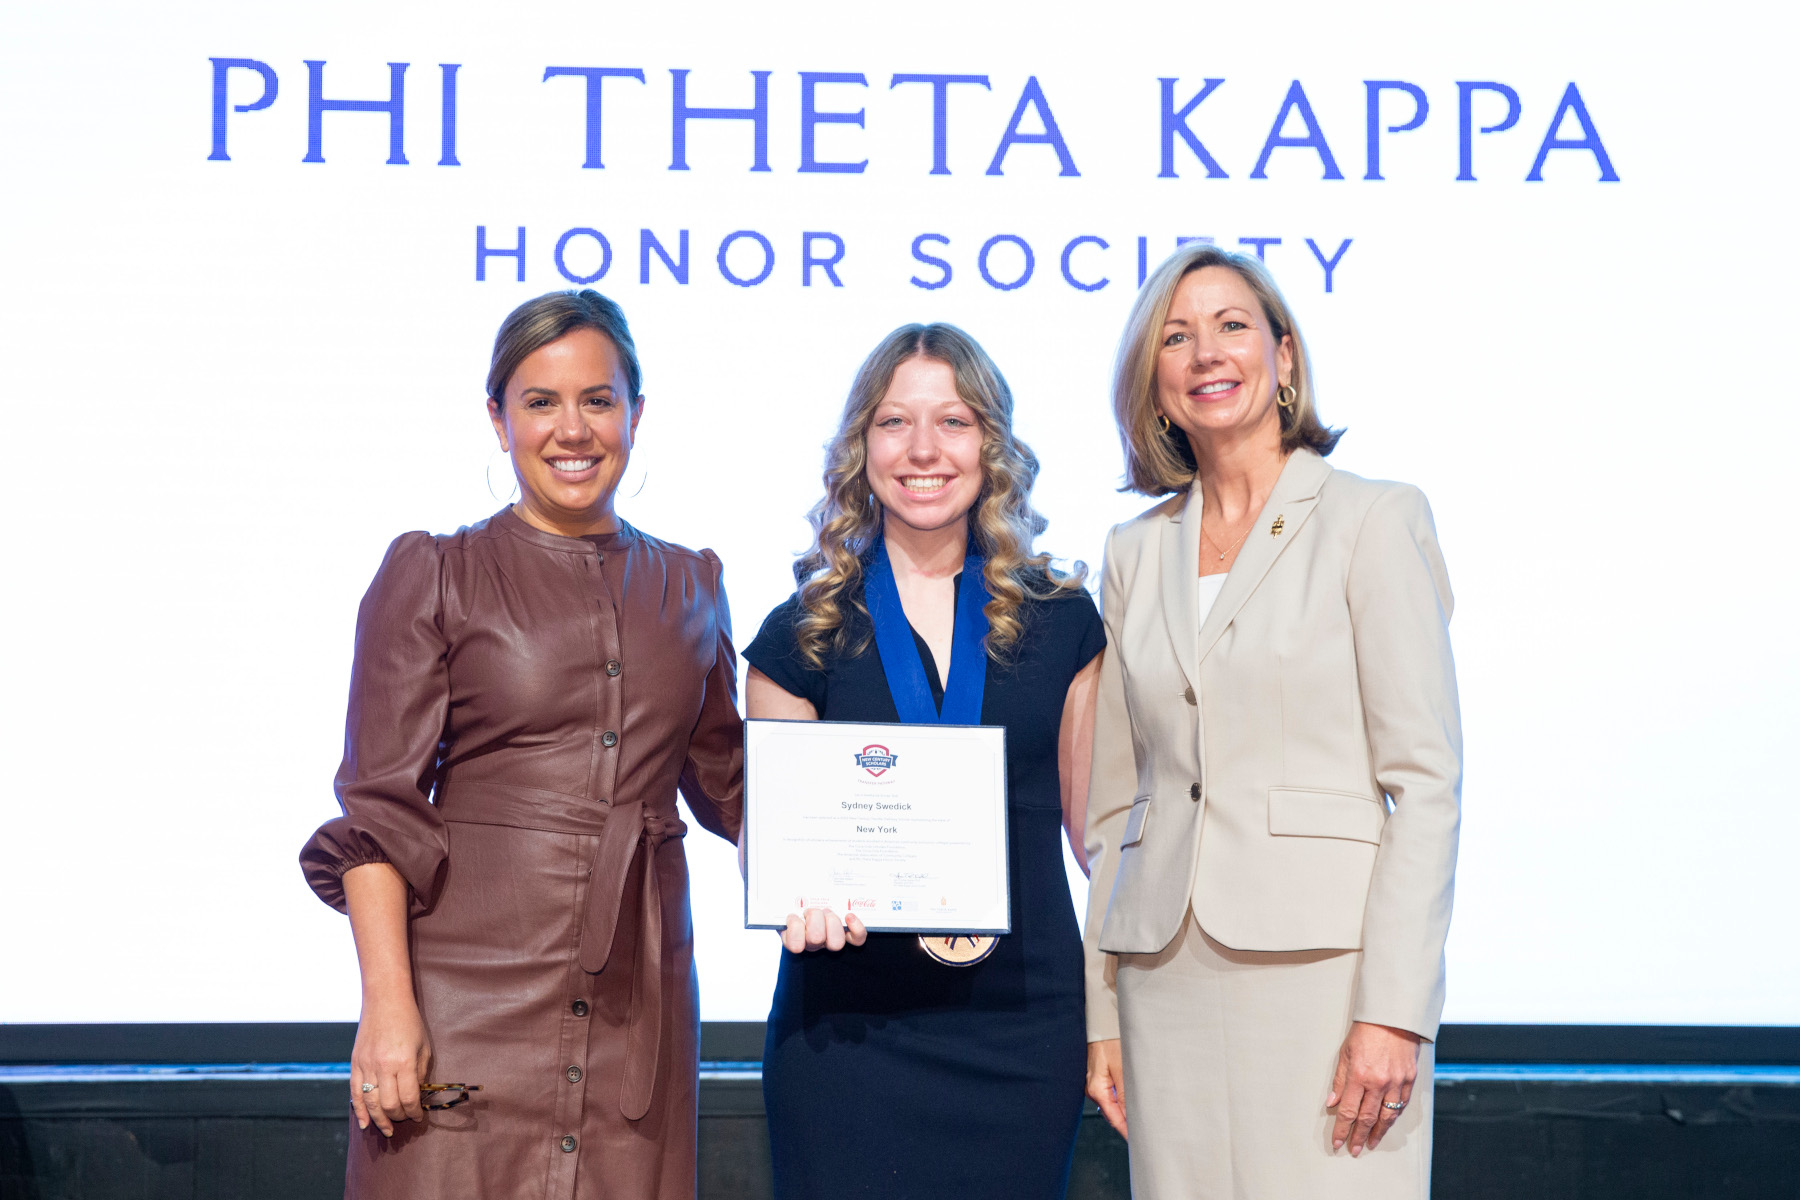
{"points": [[234, 379]]}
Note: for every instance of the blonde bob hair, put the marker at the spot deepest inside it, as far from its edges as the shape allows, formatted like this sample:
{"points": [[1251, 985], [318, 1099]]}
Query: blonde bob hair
{"points": [[847, 521], [1158, 462]]}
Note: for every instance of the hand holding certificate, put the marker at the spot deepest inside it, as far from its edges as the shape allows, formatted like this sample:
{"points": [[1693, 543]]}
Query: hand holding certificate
{"points": [[899, 826], [903, 826]]}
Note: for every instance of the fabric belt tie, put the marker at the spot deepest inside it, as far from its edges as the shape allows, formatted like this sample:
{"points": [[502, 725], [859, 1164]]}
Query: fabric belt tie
{"points": [[622, 829]]}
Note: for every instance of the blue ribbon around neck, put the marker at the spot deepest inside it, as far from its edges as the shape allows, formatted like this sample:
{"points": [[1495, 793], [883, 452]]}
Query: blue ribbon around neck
{"points": [[900, 654]]}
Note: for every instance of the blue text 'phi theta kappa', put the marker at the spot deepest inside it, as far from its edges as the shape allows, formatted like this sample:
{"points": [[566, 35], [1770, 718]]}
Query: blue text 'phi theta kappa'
{"points": [[1295, 144]]}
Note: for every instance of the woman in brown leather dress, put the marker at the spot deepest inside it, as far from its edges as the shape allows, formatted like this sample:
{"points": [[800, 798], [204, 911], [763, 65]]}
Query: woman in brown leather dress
{"points": [[527, 695]]}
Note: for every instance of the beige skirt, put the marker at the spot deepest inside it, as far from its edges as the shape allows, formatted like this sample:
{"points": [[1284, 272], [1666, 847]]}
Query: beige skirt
{"points": [[1229, 1057]]}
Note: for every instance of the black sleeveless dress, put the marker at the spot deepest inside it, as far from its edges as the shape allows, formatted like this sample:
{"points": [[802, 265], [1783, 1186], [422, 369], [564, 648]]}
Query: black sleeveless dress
{"points": [[888, 1074]]}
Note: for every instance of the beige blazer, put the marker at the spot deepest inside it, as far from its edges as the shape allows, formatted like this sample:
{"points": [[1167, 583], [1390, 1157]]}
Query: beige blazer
{"points": [[1292, 767]]}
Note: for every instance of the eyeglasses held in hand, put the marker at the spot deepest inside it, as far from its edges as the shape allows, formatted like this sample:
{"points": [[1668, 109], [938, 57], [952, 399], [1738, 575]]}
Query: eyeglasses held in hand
{"points": [[445, 1095]]}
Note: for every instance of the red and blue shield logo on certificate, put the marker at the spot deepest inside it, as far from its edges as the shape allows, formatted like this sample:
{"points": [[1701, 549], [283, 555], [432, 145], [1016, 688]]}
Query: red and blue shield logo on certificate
{"points": [[877, 760]]}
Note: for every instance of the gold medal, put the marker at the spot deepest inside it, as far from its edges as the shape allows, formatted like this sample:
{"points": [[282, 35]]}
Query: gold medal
{"points": [[959, 950]]}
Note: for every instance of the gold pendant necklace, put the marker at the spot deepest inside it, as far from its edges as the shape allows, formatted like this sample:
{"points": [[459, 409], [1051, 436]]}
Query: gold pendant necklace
{"points": [[1234, 545]]}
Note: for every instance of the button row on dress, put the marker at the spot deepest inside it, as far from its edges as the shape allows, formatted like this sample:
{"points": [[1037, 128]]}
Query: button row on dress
{"points": [[568, 1145], [579, 1008], [1193, 791], [612, 666], [609, 739], [574, 1074]]}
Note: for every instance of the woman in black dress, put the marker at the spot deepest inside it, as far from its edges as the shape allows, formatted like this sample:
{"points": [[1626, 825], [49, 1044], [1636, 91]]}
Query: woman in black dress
{"points": [[895, 1067]]}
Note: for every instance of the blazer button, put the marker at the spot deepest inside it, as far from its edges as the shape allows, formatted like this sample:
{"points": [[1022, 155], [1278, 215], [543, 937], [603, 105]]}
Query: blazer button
{"points": [[579, 1008], [1189, 696], [612, 666], [568, 1145], [1193, 791], [609, 739], [574, 1074]]}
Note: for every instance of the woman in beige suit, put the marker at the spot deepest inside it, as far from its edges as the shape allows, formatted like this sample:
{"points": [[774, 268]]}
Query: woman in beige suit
{"points": [[1273, 810]]}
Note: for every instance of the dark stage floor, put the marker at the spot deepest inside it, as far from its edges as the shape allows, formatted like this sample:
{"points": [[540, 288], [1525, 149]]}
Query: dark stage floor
{"points": [[1505, 1130]]}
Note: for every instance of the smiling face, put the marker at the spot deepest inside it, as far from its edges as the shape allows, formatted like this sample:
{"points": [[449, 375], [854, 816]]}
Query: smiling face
{"points": [[1219, 365], [569, 423], [924, 461]]}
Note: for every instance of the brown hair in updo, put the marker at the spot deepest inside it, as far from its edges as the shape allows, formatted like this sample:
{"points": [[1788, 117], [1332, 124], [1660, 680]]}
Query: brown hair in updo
{"points": [[536, 323]]}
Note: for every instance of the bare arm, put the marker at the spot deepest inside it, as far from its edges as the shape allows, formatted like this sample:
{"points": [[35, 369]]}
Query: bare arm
{"points": [[1112, 778], [1112, 788], [768, 700], [1075, 753], [392, 1051], [1376, 1070], [816, 928], [1106, 1082]]}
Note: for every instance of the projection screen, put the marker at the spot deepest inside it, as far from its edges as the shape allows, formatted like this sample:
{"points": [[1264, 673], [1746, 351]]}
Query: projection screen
{"points": [[256, 256]]}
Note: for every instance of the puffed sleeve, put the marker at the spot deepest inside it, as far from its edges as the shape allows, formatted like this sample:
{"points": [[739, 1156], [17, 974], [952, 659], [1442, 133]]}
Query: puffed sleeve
{"points": [[399, 699], [1112, 784], [712, 780], [1400, 605]]}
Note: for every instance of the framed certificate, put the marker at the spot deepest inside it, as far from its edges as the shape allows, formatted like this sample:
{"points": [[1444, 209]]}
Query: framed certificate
{"points": [[903, 825]]}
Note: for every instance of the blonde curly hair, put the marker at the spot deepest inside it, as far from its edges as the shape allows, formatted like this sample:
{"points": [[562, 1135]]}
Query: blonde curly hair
{"points": [[1002, 522]]}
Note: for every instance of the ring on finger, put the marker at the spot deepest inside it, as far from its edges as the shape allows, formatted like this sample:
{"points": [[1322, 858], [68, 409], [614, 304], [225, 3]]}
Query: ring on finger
{"points": [[367, 1088], [1393, 1105]]}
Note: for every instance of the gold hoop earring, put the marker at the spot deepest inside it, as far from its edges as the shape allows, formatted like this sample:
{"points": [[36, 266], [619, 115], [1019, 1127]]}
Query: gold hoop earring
{"points": [[1163, 424], [1287, 396]]}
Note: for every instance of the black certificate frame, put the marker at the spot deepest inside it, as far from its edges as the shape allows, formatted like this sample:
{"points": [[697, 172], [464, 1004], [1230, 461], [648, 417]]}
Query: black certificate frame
{"points": [[1005, 822]]}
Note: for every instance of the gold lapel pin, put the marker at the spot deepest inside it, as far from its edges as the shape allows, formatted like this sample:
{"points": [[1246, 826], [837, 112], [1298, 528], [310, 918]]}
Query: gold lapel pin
{"points": [[1276, 528]]}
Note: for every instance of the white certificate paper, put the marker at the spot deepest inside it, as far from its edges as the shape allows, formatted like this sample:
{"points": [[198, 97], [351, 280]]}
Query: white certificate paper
{"points": [[903, 825]]}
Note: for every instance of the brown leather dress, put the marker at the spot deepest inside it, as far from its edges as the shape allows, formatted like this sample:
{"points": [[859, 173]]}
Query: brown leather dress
{"points": [[523, 707]]}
